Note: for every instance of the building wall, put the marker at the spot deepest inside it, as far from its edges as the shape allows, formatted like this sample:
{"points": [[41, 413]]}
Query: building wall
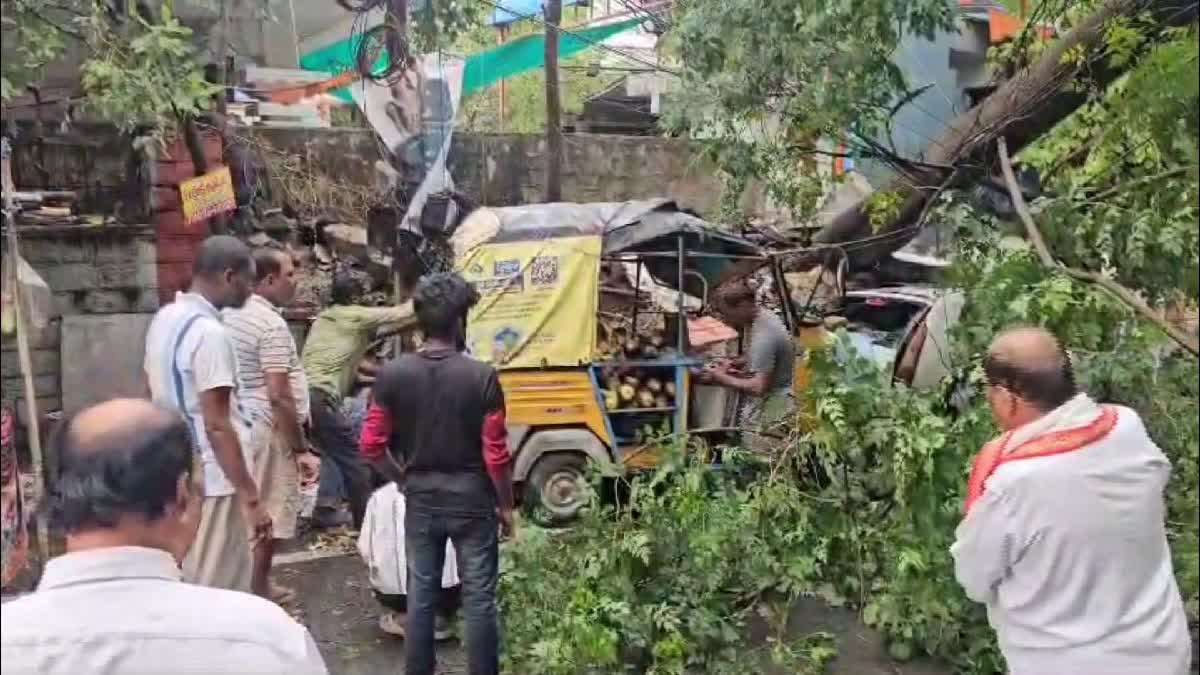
{"points": [[503, 170], [117, 269], [90, 270]]}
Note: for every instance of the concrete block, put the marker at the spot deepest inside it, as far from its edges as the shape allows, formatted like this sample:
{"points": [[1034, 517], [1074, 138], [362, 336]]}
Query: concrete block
{"points": [[115, 249], [145, 250], [56, 250], [127, 274], [109, 301], [68, 303], [147, 274], [70, 276], [117, 275], [102, 358], [44, 361], [43, 386], [147, 300]]}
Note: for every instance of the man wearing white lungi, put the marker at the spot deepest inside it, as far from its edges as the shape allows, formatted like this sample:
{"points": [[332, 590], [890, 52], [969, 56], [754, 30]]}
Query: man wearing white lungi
{"points": [[1064, 536], [381, 543]]}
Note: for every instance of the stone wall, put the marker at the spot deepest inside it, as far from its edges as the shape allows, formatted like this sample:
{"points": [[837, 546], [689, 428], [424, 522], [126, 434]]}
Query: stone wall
{"points": [[503, 170], [117, 269], [90, 270]]}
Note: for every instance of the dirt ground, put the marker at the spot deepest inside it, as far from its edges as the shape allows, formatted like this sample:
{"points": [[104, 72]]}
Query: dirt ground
{"points": [[337, 606]]}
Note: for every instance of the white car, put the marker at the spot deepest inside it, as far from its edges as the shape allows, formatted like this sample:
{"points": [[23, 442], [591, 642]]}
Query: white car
{"points": [[904, 330]]}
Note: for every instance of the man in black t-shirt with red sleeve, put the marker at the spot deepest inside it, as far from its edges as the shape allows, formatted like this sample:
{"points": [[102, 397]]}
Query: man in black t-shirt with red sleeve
{"points": [[436, 426]]}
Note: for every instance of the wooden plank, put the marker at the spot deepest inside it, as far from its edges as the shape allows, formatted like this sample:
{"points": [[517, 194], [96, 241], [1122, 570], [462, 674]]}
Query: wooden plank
{"points": [[33, 420]]}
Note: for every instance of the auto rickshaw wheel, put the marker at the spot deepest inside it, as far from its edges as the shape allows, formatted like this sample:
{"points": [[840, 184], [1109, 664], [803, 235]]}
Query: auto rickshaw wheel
{"points": [[557, 487]]}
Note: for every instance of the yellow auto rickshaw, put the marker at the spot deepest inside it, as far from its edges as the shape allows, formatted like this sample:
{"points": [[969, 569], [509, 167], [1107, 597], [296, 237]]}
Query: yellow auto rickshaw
{"points": [[588, 311]]}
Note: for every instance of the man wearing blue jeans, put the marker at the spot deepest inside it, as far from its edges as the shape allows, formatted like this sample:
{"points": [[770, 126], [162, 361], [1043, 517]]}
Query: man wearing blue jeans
{"points": [[436, 427], [333, 350]]}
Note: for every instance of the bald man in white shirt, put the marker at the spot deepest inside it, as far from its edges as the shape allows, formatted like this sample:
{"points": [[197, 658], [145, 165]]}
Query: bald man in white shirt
{"points": [[129, 500], [1064, 537]]}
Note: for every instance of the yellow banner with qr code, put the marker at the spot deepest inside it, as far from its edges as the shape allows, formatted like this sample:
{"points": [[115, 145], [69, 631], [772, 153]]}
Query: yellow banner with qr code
{"points": [[538, 301]]}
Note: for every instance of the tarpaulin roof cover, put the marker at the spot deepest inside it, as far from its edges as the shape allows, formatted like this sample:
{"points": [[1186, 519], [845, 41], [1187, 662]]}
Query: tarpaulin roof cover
{"points": [[528, 53], [651, 225], [625, 226], [483, 69]]}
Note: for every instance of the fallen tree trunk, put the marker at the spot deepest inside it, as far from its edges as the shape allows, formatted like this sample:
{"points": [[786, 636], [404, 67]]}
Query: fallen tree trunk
{"points": [[1022, 109]]}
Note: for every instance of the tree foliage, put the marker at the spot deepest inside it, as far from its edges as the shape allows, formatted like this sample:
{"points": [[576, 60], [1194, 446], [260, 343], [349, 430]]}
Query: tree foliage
{"points": [[1122, 176], [862, 510], [136, 69], [31, 38], [771, 80], [143, 71], [525, 94]]}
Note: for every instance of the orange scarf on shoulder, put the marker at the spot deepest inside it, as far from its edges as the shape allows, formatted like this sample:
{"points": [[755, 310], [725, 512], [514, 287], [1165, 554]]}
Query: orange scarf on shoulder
{"points": [[995, 453]]}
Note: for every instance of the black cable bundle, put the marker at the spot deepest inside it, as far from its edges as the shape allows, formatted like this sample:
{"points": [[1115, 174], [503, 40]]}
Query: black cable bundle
{"points": [[387, 37]]}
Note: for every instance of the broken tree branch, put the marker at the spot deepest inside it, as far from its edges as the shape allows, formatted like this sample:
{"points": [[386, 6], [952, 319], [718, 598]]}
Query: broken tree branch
{"points": [[1018, 200], [1020, 110], [1125, 295]]}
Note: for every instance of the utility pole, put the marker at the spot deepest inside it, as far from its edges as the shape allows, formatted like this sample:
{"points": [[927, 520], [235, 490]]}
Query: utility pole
{"points": [[554, 139], [502, 31], [397, 18]]}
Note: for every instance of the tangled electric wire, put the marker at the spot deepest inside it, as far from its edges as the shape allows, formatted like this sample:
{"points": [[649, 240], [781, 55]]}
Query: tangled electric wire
{"points": [[370, 44]]}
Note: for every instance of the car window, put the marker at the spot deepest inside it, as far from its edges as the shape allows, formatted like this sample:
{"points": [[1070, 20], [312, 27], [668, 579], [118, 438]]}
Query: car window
{"points": [[878, 326]]}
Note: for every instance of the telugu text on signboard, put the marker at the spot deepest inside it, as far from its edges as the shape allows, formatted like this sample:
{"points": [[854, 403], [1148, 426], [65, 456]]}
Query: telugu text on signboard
{"points": [[206, 196]]}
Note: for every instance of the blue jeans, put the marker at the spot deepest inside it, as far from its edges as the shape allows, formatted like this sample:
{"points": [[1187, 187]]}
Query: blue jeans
{"points": [[342, 470], [477, 547]]}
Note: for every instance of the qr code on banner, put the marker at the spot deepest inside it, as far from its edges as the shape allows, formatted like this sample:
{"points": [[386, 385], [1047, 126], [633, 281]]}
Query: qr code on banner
{"points": [[543, 271]]}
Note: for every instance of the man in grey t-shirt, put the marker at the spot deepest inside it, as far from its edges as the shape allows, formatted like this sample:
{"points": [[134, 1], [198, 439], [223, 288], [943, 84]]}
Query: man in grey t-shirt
{"points": [[771, 359]]}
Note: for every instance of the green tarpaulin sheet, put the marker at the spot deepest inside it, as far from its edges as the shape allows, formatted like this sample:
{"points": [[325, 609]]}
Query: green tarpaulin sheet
{"points": [[484, 69]]}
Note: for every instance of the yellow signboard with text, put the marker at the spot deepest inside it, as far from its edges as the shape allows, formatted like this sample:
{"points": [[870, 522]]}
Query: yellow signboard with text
{"points": [[206, 196], [537, 303]]}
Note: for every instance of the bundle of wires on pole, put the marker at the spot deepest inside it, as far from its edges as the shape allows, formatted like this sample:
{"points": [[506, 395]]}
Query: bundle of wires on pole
{"points": [[382, 53]]}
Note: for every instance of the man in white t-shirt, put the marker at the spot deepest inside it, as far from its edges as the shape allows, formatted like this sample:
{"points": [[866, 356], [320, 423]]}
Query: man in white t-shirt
{"points": [[191, 367]]}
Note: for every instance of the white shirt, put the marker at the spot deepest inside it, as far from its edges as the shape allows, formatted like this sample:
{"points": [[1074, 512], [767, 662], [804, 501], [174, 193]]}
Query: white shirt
{"points": [[1070, 554], [264, 344], [125, 611], [381, 544], [186, 338]]}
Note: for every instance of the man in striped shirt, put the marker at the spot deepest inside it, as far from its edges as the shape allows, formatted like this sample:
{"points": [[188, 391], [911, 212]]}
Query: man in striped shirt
{"points": [[275, 395]]}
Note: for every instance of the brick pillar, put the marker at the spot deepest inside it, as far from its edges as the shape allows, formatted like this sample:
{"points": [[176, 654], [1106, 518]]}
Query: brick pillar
{"points": [[177, 241]]}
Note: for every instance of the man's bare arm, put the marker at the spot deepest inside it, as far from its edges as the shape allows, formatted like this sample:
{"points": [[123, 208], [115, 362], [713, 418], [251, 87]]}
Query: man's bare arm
{"points": [[227, 448], [755, 385], [502, 481], [283, 408]]}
